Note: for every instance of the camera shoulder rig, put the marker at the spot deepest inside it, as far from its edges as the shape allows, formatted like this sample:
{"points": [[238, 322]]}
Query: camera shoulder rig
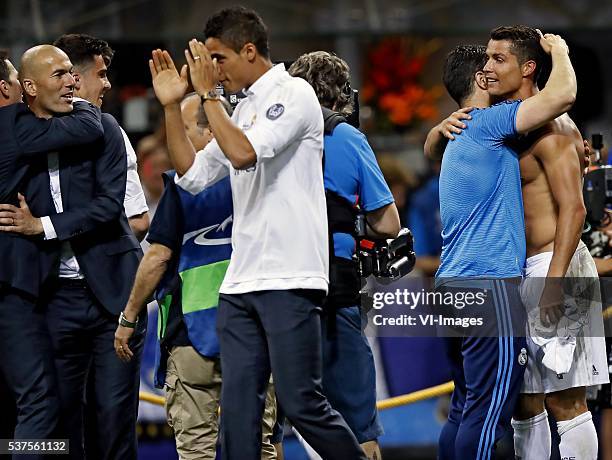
{"points": [[391, 258]]}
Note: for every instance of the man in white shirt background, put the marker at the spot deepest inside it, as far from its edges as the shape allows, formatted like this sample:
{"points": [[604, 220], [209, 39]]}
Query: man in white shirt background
{"points": [[269, 309]]}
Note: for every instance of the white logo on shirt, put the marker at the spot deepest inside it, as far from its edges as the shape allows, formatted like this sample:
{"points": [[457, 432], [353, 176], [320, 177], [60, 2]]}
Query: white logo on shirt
{"points": [[522, 359], [200, 234]]}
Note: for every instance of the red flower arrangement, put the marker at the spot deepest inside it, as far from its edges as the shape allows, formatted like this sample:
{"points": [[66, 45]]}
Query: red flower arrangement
{"points": [[392, 86]]}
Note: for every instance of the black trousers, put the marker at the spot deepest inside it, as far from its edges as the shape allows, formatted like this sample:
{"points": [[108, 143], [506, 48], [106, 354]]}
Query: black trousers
{"points": [[278, 331], [27, 367], [82, 333]]}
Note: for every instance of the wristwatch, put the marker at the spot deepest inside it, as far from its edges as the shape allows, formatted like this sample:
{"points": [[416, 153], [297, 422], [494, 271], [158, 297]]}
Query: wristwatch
{"points": [[123, 321], [211, 95]]}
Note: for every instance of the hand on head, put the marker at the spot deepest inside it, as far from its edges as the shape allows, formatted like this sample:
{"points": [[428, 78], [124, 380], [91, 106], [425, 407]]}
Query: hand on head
{"points": [[551, 42]]}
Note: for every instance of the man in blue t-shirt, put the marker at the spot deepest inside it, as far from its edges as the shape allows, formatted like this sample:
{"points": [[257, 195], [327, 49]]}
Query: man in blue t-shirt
{"points": [[484, 242], [352, 178]]}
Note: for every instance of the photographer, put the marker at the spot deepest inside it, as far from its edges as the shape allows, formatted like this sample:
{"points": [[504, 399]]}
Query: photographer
{"points": [[352, 181]]}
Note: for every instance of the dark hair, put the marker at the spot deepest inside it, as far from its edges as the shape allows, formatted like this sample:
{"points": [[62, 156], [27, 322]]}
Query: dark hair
{"points": [[525, 46], [460, 66], [329, 76], [237, 26], [82, 49], [4, 70]]}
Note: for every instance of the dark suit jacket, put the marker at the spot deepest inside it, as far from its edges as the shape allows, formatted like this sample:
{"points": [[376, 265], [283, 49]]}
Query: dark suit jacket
{"points": [[92, 183], [25, 140]]}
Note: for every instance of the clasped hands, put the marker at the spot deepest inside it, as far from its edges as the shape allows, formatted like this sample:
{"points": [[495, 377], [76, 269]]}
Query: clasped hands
{"points": [[170, 85]]}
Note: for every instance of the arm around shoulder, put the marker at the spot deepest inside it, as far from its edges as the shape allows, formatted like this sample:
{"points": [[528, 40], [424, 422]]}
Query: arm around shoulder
{"points": [[435, 144], [39, 135], [439, 135]]}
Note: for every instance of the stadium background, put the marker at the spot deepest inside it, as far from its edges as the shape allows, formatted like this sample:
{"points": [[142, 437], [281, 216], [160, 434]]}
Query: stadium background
{"points": [[396, 50]]}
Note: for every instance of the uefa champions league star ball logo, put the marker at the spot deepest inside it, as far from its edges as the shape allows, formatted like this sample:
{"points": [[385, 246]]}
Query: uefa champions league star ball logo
{"points": [[275, 111]]}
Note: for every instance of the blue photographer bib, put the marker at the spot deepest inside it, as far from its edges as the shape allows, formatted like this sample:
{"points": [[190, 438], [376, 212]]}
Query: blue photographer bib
{"points": [[198, 228]]}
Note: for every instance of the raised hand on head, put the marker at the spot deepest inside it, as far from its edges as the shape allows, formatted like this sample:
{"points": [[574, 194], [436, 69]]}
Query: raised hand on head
{"points": [[549, 42]]}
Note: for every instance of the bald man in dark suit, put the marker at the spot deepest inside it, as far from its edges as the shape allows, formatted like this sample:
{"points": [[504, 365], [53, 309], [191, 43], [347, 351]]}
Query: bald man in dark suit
{"points": [[27, 365]]}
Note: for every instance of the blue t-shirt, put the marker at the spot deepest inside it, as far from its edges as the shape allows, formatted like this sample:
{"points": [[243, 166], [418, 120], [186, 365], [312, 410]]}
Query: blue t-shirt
{"points": [[352, 172], [424, 219], [481, 206]]}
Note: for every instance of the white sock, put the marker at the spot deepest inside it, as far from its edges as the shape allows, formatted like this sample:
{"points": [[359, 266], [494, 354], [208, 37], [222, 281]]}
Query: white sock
{"points": [[532, 438], [578, 438]]}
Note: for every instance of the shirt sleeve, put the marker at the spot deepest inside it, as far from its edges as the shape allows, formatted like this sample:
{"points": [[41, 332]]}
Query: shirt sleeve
{"points": [[134, 202], [501, 120], [166, 225], [48, 228], [210, 166], [287, 118]]}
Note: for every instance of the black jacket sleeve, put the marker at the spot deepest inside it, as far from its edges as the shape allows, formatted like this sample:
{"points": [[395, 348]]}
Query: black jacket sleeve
{"points": [[110, 179], [39, 135]]}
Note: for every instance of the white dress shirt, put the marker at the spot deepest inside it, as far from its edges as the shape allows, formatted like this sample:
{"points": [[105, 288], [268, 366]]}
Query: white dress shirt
{"points": [[134, 202], [69, 266], [279, 236]]}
